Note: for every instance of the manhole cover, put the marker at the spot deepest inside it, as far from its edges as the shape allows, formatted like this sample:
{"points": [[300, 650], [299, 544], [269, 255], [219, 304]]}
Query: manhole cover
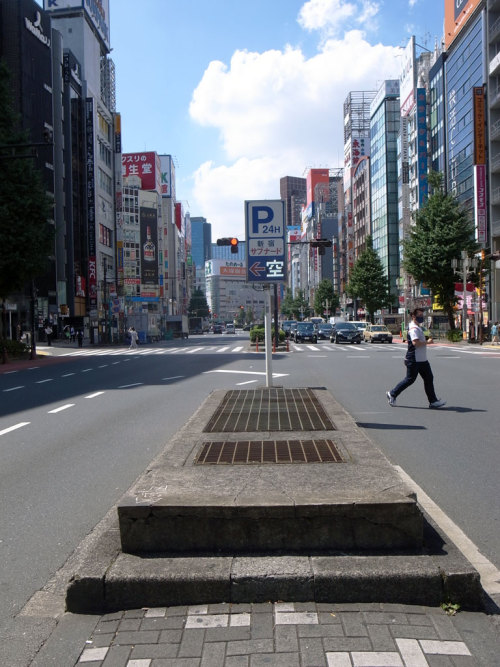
{"points": [[244, 452], [273, 409]]}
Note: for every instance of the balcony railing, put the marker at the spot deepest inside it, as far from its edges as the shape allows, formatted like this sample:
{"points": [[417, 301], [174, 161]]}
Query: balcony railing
{"points": [[494, 30]]}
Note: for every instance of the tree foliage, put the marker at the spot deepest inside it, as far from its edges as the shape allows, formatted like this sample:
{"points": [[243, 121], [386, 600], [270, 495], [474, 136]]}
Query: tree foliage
{"points": [[26, 236], [368, 281], [325, 294], [441, 231], [198, 305]]}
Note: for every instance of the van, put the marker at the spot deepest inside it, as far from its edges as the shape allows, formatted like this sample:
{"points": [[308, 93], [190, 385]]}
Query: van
{"points": [[230, 329]]}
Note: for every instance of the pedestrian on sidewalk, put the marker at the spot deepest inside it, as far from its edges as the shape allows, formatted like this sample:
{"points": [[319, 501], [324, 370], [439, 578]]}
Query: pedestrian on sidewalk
{"points": [[79, 337], [494, 334], [133, 338], [48, 333], [416, 363]]}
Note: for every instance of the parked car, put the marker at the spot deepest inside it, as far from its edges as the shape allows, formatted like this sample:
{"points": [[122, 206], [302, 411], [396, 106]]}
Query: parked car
{"points": [[427, 334], [377, 333], [361, 325], [324, 331], [345, 332], [286, 326], [217, 329], [305, 331], [293, 326]]}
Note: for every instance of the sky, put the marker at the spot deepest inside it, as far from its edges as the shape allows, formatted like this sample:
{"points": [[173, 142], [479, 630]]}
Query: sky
{"points": [[242, 93]]}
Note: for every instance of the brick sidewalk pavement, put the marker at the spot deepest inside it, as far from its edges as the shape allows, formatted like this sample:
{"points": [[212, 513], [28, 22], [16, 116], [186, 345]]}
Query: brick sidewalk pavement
{"points": [[292, 635]]}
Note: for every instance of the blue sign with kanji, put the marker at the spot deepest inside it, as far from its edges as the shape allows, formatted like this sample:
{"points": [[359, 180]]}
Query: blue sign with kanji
{"points": [[265, 240]]}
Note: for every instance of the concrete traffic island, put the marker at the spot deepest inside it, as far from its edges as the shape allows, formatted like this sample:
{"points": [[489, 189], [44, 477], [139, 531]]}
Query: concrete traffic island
{"points": [[308, 509]]}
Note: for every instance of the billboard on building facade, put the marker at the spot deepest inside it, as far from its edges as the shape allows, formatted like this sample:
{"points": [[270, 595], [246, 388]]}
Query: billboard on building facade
{"points": [[148, 222], [146, 166], [479, 126], [96, 10], [456, 15], [226, 268], [407, 82], [480, 210], [167, 179], [423, 185], [91, 226], [313, 179]]}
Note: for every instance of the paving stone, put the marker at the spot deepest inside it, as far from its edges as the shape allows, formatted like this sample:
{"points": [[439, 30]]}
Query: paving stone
{"points": [[207, 621], [106, 627], [296, 618], [262, 625], [117, 656], [285, 639], [320, 630], [156, 612], [170, 637], [220, 608], [240, 608], [141, 637], [329, 618], [419, 619], [381, 638], [213, 654], [177, 611], [130, 624], [439, 661], [261, 607], [444, 647], [191, 644], [385, 618], [312, 653], [175, 622], [347, 644], [353, 624], [227, 634], [176, 662], [376, 659], [99, 641], [414, 631], [281, 660], [445, 628], [115, 616], [93, 654], [238, 661], [154, 651], [250, 646], [151, 623], [134, 613]]}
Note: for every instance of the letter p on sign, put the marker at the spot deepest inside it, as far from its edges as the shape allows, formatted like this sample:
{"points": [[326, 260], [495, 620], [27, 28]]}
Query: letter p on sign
{"points": [[261, 215]]}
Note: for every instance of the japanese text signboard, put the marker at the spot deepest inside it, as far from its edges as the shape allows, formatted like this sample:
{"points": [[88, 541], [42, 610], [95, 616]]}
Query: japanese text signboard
{"points": [[265, 240]]}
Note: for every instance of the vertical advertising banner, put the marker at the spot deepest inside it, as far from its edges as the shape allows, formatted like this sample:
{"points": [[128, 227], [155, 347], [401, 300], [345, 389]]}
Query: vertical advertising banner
{"points": [[479, 126], [90, 174], [480, 202], [423, 186], [148, 221]]}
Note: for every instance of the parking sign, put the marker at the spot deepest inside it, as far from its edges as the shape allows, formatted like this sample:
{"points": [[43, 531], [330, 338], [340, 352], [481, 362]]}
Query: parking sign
{"points": [[265, 240]]}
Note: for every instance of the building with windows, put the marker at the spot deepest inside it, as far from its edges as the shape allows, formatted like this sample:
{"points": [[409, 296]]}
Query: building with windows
{"points": [[293, 193], [384, 130], [227, 290], [201, 246]]}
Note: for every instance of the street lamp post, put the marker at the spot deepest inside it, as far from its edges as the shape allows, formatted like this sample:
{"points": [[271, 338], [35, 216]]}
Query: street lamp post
{"points": [[464, 265]]}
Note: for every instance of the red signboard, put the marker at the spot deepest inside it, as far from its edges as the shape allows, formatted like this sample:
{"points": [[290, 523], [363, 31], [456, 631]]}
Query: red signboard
{"points": [[144, 165]]}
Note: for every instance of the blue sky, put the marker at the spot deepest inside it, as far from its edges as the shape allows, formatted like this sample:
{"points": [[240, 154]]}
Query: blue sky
{"points": [[242, 92]]}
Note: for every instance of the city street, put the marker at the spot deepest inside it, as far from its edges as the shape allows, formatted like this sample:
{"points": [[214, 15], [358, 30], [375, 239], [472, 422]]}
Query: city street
{"points": [[75, 434]]}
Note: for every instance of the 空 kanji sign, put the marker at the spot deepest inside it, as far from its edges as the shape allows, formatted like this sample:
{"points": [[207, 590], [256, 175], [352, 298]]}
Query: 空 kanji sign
{"points": [[265, 240]]}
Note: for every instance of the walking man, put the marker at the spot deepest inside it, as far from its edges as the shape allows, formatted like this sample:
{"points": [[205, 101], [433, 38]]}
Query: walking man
{"points": [[494, 334], [416, 363], [133, 338]]}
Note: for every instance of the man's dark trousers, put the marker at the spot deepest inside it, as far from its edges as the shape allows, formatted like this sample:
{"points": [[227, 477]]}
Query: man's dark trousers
{"points": [[413, 369]]}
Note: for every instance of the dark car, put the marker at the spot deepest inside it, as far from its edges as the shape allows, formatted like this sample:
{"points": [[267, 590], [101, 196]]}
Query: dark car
{"points": [[217, 328], [345, 332], [324, 331], [305, 331], [287, 325]]}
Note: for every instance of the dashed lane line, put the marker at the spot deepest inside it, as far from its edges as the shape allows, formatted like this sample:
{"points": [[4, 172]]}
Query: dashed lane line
{"points": [[126, 386], [21, 386], [96, 393], [13, 428], [61, 408]]}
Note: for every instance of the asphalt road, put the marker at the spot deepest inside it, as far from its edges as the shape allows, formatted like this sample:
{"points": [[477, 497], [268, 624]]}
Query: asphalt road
{"points": [[86, 428]]}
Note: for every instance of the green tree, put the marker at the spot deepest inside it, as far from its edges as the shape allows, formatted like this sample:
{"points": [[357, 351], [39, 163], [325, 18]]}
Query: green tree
{"points": [[26, 235], [287, 303], [325, 294], [442, 230], [198, 306], [368, 281], [300, 306]]}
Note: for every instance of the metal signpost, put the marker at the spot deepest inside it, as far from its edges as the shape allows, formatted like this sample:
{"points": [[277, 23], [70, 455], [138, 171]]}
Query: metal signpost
{"points": [[266, 261]]}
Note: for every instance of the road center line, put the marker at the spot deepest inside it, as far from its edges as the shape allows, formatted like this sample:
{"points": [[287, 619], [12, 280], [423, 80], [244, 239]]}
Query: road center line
{"points": [[63, 407], [21, 386], [174, 377], [97, 393], [67, 375], [134, 384], [86, 370], [13, 428], [42, 381]]}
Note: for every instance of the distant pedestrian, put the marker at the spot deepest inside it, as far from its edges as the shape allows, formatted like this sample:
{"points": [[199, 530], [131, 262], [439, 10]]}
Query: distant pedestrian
{"points": [[495, 334], [48, 333], [79, 337], [133, 338], [416, 363], [72, 333]]}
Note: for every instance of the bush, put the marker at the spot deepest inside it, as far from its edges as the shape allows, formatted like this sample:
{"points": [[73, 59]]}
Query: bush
{"points": [[454, 335], [14, 348], [261, 332]]}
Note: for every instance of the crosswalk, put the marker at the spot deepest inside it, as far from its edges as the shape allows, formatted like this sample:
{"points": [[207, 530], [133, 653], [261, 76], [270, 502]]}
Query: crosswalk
{"points": [[322, 349]]}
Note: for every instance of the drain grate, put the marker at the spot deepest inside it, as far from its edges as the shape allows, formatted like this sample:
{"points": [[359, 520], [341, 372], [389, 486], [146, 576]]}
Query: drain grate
{"points": [[272, 409], [244, 452]]}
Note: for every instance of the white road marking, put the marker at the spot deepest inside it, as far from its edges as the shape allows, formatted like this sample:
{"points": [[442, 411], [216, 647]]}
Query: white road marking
{"points": [[194, 349], [67, 375], [43, 381], [21, 386], [134, 384], [174, 377], [489, 574], [13, 428], [87, 370], [223, 349], [9, 372], [239, 384], [220, 370], [63, 407], [317, 356], [103, 366], [237, 349], [96, 393]]}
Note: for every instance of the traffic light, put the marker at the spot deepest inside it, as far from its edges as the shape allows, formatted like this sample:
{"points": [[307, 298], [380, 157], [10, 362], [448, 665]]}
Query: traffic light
{"points": [[321, 244], [232, 241]]}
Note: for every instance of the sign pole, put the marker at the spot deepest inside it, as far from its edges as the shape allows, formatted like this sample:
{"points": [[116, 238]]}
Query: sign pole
{"points": [[268, 341]]}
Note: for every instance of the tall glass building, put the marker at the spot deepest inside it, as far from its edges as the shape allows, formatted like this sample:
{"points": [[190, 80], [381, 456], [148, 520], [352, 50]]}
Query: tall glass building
{"points": [[384, 130], [201, 246]]}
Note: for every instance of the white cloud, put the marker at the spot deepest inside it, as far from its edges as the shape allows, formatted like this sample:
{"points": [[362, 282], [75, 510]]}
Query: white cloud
{"points": [[278, 113]]}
